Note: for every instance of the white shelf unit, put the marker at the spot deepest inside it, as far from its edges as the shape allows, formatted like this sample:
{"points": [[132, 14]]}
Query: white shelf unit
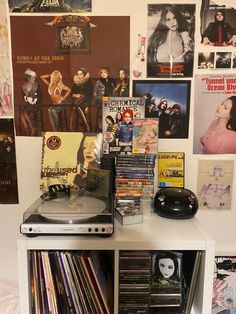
{"points": [[155, 233]]}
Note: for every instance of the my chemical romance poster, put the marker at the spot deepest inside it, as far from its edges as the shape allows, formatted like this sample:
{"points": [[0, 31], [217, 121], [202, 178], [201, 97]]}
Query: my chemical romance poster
{"points": [[62, 66], [214, 114], [8, 174], [170, 48], [29, 6]]}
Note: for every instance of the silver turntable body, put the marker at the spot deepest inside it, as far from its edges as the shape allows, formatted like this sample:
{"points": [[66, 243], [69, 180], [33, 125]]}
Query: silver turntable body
{"points": [[77, 214]]}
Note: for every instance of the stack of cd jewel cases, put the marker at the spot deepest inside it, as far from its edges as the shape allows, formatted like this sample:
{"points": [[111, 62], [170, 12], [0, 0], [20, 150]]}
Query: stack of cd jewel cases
{"points": [[134, 282], [134, 173]]}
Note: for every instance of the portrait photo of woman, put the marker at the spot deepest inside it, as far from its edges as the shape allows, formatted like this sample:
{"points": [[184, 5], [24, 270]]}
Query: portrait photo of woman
{"points": [[171, 41], [88, 156], [220, 137], [166, 271], [214, 118]]}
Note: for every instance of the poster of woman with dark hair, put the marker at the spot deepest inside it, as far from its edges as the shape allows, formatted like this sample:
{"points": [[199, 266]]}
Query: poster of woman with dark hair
{"points": [[170, 40]]}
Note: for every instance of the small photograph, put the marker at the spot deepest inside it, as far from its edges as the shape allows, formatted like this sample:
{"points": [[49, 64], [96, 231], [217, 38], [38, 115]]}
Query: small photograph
{"points": [[224, 285], [169, 101], [206, 60], [30, 6], [234, 60], [145, 136], [223, 60]]}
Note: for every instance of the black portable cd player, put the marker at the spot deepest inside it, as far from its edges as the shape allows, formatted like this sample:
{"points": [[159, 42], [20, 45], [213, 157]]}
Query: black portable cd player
{"points": [[175, 203]]}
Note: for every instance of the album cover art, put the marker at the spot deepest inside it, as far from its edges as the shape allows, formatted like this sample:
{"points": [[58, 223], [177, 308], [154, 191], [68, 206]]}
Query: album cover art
{"points": [[70, 53], [145, 136], [67, 156], [47, 6], [117, 123], [171, 169]]}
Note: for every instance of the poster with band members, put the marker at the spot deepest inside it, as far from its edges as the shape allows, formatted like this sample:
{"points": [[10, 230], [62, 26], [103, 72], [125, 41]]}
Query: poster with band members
{"points": [[168, 100], [214, 186], [62, 71], [8, 171], [30, 6], [171, 31], [6, 107], [214, 114]]}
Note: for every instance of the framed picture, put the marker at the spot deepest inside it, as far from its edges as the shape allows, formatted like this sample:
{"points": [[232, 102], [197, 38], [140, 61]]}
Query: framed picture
{"points": [[73, 37], [169, 101]]}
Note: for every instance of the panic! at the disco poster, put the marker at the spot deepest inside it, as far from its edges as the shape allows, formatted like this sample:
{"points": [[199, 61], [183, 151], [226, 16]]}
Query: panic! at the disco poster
{"points": [[170, 48], [63, 66]]}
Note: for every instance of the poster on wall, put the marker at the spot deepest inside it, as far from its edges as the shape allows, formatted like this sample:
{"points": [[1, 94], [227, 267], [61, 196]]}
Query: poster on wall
{"points": [[217, 41], [214, 114], [6, 109], [8, 173], [169, 101], [170, 49], [224, 285], [29, 6], [214, 188], [62, 72], [218, 23]]}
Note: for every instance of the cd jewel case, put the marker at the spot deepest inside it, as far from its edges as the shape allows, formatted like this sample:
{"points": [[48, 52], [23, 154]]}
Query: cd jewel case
{"points": [[73, 213]]}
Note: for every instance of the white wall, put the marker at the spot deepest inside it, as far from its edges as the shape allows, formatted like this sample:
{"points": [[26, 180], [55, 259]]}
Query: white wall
{"points": [[220, 224]]}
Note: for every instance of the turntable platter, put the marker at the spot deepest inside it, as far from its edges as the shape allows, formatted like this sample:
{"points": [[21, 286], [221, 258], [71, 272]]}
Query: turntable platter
{"points": [[71, 210]]}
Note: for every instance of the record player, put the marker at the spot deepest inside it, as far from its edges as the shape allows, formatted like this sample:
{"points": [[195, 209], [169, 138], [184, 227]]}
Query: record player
{"points": [[63, 212]]}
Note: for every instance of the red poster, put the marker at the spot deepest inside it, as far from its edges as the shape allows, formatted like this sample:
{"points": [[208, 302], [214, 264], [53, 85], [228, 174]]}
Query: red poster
{"points": [[62, 66]]}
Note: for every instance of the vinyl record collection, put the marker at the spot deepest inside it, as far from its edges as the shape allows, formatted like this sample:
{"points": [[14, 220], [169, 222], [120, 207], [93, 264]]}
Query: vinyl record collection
{"points": [[71, 282]]}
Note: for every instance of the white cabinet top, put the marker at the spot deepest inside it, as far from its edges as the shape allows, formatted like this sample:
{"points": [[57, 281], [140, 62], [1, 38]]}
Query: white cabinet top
{"points": [[154, 233]]}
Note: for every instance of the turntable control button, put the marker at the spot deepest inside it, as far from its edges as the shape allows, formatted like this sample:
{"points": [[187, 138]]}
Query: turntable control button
{"points": [[30, 229], [89, 229], [96, 229], [103, 229]]}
